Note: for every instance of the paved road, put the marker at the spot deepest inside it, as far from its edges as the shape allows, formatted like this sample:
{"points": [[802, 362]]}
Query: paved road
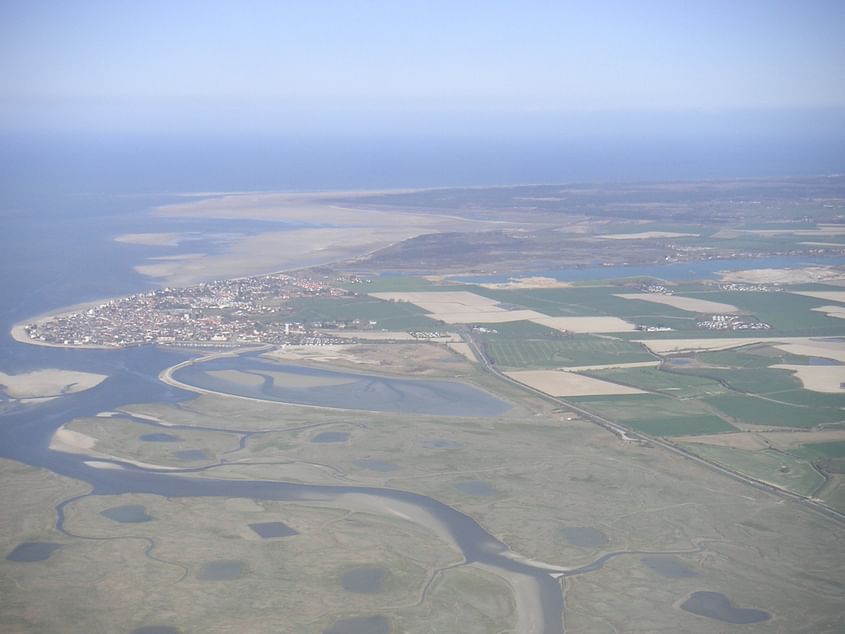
{"points": [[625, 433]]}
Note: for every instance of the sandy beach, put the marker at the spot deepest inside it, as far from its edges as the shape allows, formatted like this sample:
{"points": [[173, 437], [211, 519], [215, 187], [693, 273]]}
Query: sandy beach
{"points": [[48, 383], [20, 335]]}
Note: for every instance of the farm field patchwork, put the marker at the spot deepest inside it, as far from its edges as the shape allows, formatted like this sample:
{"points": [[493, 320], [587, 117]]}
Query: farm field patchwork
{"points": [[753, 410], [654, 380], [689, 304], [574, 350], [562, 383]]}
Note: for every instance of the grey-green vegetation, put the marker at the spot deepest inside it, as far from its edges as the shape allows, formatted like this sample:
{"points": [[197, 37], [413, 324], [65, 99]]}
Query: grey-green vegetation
{"points": [[781, 469]]}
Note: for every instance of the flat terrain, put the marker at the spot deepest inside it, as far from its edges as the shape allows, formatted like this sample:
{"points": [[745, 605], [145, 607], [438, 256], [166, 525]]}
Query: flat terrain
{"points": [[632, 515], [48, 383], [561, 383], [689, 304]]}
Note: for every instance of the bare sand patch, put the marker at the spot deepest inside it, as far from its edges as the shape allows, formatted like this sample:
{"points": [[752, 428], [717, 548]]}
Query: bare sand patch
{"points": [[464, 307], [669, 346], [237, 377], [828, 348], [825, 348], [294, 380], [831, 311], [528, 282], [819, 378], [48, 383], [562, 383], [347, 232], [277, 251], [690, 304], [646, 235], [151, 239], [828, 296], [71, 441], [462, 349], [498, 316], [785, 276], [596, 324]]}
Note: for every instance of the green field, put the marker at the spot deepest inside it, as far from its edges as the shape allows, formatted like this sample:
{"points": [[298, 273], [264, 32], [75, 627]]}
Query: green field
{"points": [[757, 356], [654, 380], [809, 397], [823, 450], [782, 470], [786, 312], [752, 381], [828, 456], [758, 411], [585, 300], [511, 330], [565, 351], [389, 315], [655, 415]]}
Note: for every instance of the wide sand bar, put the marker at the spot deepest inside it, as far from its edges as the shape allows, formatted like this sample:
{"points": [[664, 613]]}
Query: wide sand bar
{"points": [[48, 383]]}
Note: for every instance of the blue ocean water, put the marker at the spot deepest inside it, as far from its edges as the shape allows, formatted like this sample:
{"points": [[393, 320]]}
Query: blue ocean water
{"points": [[63, 198]]}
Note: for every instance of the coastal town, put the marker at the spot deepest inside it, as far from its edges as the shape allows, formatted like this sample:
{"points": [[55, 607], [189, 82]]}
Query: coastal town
{"points": [[217, 313]]}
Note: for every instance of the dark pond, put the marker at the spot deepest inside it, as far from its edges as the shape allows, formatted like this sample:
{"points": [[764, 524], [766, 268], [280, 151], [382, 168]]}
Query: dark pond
{"points": [[159, 438], [366, 579], [33, 551], [376, 465], [25, 433], [351, 390], [475, 487], [191, 454], [377, 624], [442, 443], [331, 436], [715, 605], [668, 566], [273, 529], [584, 536], [155, 629], [128, 514], [221, 570]]}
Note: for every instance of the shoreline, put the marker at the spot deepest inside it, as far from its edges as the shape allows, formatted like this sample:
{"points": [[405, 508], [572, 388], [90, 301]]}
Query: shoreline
{"points": [[19, 334]]}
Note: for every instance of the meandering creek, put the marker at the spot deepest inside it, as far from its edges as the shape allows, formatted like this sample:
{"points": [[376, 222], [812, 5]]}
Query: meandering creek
{"points": [[25, 436]]}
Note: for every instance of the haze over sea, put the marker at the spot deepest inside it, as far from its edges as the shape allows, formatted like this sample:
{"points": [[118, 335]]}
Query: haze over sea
{"points": [[442, 151], [67, 194]]}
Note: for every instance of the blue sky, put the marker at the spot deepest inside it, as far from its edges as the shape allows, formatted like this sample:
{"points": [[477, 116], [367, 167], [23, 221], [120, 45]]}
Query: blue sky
{"points": [[299, 66]]}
